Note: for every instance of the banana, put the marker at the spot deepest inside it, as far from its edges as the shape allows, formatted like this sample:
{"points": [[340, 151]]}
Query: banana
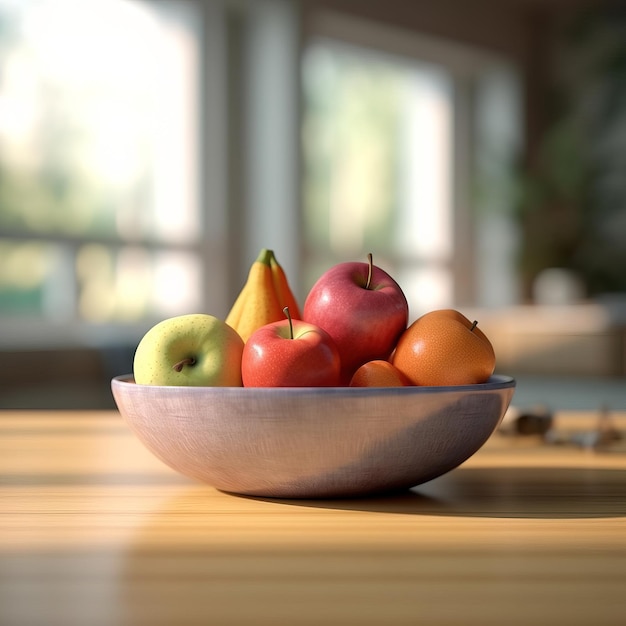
{"points": [[283, 291], [262, 298]]}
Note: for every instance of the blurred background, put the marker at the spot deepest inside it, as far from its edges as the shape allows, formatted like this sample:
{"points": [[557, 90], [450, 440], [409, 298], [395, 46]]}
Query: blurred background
{"points": [[150, 148]]}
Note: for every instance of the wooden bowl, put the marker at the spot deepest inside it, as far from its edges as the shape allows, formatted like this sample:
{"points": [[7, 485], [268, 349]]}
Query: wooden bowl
{"points": [[313, 442]]}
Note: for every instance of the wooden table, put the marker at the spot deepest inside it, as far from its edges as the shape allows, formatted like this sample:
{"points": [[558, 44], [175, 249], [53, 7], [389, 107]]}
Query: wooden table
{"points": [[95, 531]]}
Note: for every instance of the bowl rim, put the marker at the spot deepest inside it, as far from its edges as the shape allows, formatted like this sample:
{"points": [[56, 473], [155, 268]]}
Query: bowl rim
{"points": [[496, 382]]}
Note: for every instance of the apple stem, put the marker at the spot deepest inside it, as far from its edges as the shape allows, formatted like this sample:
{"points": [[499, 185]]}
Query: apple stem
{"points": [[370, 264], [474, 324], [288, 315], [179, 366]]}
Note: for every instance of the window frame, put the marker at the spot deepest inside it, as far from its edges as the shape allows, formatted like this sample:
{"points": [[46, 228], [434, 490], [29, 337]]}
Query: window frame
{"points": [[467, 67]]}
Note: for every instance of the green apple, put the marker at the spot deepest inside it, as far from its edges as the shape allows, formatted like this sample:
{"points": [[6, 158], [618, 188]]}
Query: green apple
{"points": [[190, 350]]}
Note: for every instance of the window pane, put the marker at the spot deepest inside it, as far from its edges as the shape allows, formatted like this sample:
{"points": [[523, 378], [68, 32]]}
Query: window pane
{"points": [[350, 139], [97, 106]]}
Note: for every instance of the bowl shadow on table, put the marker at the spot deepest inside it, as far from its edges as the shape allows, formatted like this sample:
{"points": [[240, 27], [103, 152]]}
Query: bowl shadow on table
{"points": [[516, 492]]}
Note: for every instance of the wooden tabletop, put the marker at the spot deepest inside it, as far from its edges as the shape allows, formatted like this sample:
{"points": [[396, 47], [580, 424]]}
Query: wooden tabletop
{"points": [[95, 531]]}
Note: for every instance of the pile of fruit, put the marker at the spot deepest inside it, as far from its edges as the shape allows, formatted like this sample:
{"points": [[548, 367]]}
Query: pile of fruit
{"points": [[352, 331]]}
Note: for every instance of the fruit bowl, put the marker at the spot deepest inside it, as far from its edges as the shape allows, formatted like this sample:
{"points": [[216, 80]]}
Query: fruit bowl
{"points": [[313, 442]]}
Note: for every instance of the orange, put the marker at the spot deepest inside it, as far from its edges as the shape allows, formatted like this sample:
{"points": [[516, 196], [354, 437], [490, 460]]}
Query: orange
{"points": [[378, 373], [444, 348]]}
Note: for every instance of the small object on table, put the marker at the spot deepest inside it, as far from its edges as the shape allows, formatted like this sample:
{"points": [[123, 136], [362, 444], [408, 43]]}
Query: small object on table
{"points": [[537, 421], [601, 437]]}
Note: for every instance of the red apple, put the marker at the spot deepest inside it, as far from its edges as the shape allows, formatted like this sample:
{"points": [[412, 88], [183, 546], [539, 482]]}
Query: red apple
{"points": [[362, 308], [290, 353]]}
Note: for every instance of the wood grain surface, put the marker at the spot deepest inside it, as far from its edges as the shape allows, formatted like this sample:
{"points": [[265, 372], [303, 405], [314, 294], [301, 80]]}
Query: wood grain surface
{"points": [[96, 531]]}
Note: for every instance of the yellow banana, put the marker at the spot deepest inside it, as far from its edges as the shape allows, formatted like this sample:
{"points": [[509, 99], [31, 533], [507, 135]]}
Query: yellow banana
{"points": [[283, 291], [262, 298]]}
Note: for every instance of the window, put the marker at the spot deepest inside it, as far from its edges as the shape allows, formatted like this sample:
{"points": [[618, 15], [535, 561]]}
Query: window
{"points": [[149, 149], [408, 146], [377, 145], [99, 208]]}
